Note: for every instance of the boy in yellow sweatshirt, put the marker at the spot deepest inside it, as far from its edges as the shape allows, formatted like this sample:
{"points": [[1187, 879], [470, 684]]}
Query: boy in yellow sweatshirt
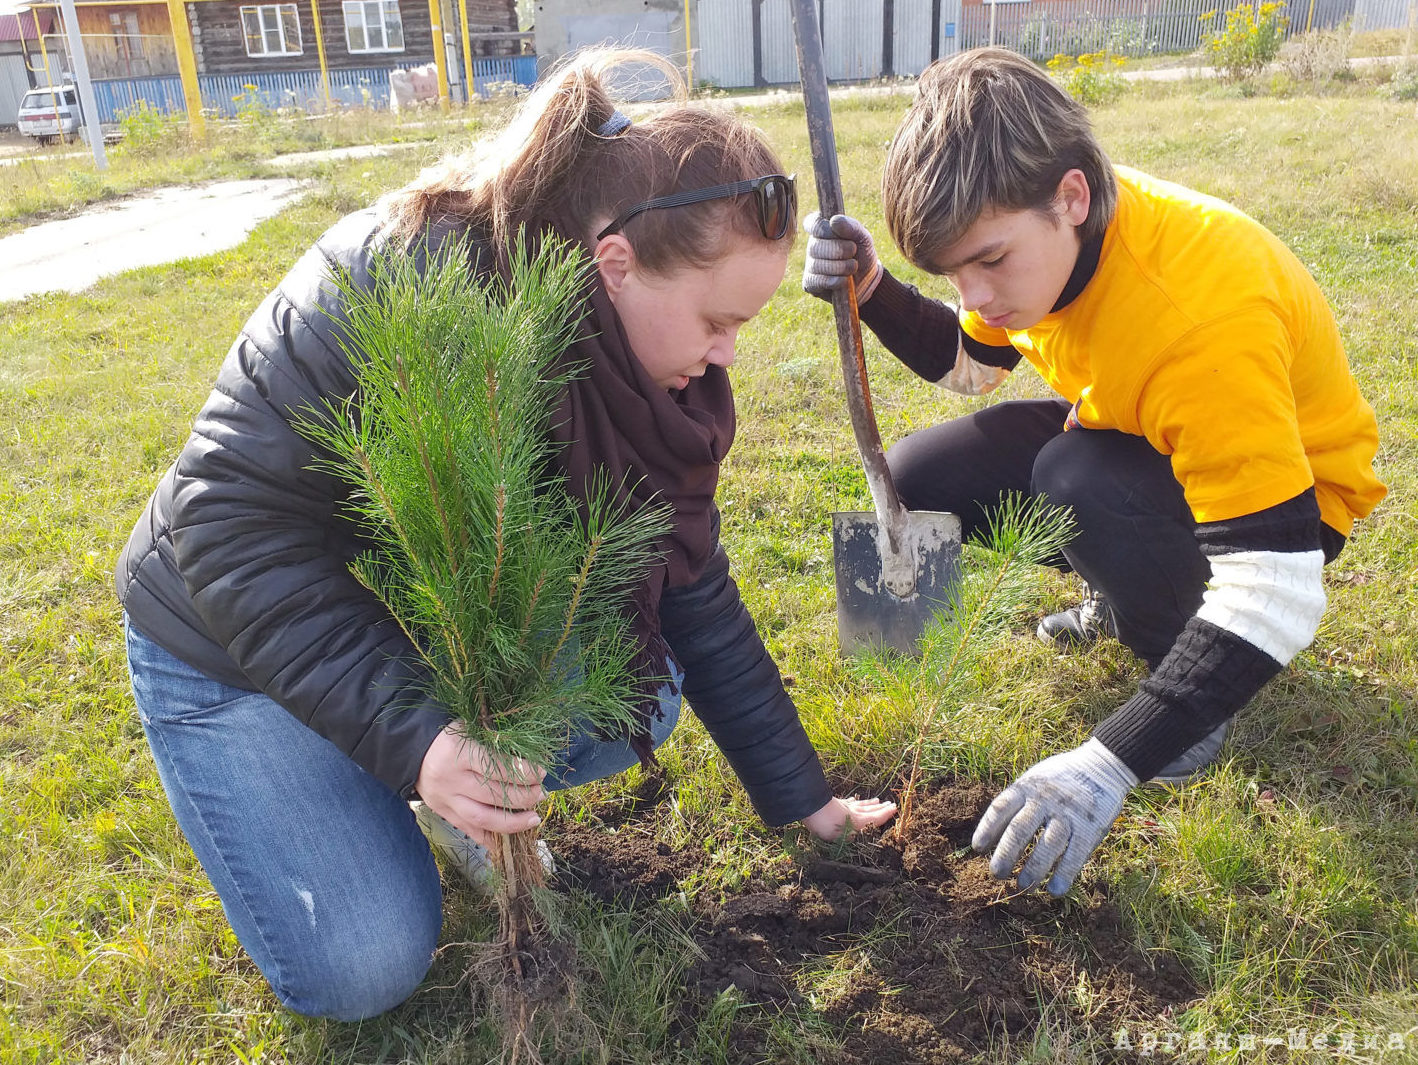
{"points": [[1208, 436]]}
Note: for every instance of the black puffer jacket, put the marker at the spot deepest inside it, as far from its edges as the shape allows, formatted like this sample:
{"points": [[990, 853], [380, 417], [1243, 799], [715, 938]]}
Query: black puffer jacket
{"points": [[239, 566]]}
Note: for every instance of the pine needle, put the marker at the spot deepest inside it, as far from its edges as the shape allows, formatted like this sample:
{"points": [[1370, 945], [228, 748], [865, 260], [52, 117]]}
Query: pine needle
{"points": [[515, 594], [1023, 533]]}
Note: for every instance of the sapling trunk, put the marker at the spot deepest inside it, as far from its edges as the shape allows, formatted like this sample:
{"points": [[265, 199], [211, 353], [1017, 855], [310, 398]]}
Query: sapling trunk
{"points": [[513, 592]]}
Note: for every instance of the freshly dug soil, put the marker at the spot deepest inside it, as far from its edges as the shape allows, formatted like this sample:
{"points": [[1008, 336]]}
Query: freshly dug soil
{"points": [[932, 960]]}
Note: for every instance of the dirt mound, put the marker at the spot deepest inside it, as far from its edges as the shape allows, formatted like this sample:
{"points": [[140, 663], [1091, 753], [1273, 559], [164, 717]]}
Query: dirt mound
{"points": [[929, 959]]}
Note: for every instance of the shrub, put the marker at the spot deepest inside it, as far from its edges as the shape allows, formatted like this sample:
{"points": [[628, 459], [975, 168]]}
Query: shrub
{"points": [[1404, 85], [148, 132], [1251, 39], [86, 186], [1130, 37], [1092, 79]]}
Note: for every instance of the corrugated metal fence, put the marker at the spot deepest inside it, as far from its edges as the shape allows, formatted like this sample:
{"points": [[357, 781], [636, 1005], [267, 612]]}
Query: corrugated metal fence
{"points": [[1384, 14], [1044, 28], [227, 94], [490, 75], [750, 42]]}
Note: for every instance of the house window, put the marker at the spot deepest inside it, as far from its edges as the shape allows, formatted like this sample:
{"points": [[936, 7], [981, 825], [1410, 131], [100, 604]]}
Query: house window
{"points": [[126, 38], [373, 26], [271, 29]]}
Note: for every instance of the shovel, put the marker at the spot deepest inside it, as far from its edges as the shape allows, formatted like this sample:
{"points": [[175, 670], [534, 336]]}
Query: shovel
{"points": [[894, 567]]}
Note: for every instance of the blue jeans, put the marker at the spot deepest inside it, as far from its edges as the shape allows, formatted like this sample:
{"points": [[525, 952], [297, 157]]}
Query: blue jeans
{"points": [[321, 868]]}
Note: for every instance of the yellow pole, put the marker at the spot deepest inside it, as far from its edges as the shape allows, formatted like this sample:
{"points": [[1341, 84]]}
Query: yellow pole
{"points": [[1310, 17], [187, 67], [24, 50], [688, 51], [440, 54], [43, 51], [320, 50], [467, 53]]}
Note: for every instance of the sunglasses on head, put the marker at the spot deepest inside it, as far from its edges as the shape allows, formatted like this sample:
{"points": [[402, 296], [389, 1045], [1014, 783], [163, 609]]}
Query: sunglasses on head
{"points": [[774, 195]]}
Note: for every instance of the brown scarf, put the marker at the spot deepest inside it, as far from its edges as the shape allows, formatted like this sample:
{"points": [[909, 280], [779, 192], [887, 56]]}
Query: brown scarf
{"points": [[666, 445]]}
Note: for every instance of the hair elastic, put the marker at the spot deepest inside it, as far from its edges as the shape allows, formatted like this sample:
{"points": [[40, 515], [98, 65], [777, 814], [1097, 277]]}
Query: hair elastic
{"points": [[616, 124]]}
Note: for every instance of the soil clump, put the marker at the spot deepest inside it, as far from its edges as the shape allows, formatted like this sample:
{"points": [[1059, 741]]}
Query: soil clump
{"points": [[907, 953]]}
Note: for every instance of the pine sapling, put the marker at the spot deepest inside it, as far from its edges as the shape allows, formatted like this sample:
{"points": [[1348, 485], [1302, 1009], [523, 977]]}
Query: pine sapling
{"points": [[1022, 534], [514, 593]]}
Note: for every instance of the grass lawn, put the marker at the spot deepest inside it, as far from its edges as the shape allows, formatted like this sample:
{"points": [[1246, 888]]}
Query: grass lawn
{"points": [[1280, 891], [156, 150]]}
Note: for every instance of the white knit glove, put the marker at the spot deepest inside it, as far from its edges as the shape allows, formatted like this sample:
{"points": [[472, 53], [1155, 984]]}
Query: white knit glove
{"points": [[1074, 797], [836, 252]]}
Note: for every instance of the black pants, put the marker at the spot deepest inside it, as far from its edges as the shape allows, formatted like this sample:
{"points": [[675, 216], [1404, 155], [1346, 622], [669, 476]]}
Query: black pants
{"points": [[1135, 540]]}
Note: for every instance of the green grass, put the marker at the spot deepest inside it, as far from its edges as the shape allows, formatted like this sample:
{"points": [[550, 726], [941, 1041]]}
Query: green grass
{"points": [[1285, 882]]}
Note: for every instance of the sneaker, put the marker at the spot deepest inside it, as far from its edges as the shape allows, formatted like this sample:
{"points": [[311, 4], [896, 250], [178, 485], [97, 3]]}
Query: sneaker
{"points": [[463, 852], [1192, 761], [1079, 625]]}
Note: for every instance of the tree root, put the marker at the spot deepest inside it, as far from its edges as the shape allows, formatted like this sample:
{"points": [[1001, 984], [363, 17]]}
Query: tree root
{"points": [[528, 970]]}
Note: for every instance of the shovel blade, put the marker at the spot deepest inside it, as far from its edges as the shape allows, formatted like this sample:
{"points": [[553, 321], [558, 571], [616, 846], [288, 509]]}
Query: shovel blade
{"points": [[869, 615]]}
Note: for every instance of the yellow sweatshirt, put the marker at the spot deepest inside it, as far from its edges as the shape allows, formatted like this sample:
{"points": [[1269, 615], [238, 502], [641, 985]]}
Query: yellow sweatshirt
{"points": [[1203, 333]]}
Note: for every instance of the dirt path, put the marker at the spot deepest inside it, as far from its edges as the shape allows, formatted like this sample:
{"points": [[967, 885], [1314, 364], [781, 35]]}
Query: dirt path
{"points": [[331, 155], [17, 154], [158, 227]]}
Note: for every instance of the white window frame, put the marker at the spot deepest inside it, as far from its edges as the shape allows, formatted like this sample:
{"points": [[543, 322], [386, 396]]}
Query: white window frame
{"points": [[357, 14], [283, 20]]}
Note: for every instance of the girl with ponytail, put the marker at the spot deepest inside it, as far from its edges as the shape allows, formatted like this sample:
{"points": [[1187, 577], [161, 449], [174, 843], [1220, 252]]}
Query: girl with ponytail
{"points": [[282, 702]]}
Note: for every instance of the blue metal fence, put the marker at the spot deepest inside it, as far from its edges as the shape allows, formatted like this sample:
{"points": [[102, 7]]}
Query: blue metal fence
{"points": [[489, 75], [226, 94], [120, 94], [229, 93]]}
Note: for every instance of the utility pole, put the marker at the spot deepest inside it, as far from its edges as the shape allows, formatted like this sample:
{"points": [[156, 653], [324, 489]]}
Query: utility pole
{"points": [[440, 52], [187, 68], [86, 85], [688, 53], [319, 51], [467, 53]]}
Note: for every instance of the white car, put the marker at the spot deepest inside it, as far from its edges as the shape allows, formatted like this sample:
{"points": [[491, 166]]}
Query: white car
{"points": [[50, 114]]}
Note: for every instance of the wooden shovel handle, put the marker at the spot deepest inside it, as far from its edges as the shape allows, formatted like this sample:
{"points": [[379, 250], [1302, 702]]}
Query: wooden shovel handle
{"points": [[813, 72]]}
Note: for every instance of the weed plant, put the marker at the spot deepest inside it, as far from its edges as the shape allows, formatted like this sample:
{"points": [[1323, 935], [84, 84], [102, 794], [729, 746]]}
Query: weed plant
{"points": [[1319, 56], [1093, 78], [1250, 38], [148, 132]]}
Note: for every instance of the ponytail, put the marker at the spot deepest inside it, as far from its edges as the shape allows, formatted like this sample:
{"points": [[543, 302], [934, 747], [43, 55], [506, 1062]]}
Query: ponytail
{"points": [[562, 163]]}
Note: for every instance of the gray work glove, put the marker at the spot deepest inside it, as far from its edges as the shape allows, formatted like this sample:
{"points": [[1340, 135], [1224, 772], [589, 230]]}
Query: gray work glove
{"points": [[836, 252], [1074, 797]]}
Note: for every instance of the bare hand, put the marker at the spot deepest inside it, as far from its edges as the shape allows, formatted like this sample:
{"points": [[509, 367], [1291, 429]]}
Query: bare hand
{"points": [[477, 791], [842, 817]]}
